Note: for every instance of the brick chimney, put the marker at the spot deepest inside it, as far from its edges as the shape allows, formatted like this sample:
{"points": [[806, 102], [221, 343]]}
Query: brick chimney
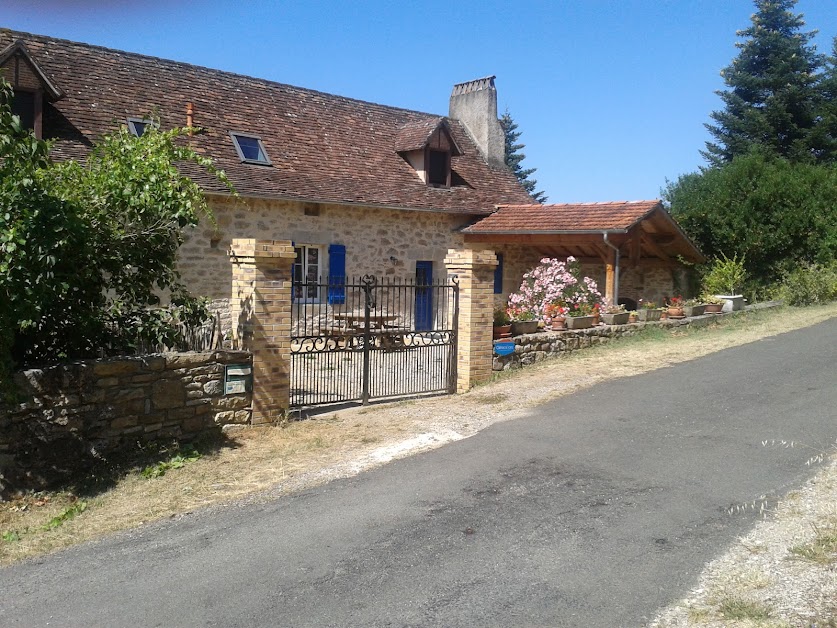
{"points": [[474, 103]]}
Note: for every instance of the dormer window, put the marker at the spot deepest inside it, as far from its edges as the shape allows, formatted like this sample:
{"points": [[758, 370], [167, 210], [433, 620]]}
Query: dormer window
{"points": [[428, 145], [25, 105], [438, 167], [250, 149], [137, 126], [30, 86]]}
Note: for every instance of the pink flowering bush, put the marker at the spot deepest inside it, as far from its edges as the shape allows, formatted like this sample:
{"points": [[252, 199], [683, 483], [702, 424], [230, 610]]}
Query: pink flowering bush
{"points": [[554, 282]]}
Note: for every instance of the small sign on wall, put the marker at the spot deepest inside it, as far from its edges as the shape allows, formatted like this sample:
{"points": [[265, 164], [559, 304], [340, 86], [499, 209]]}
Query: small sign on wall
{"points": [[503, 348], [238, 379]]}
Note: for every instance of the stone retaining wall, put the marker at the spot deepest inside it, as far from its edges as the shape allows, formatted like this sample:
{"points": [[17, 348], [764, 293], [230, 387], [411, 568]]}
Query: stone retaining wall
{"points": [[71, 414], [531, 348]]}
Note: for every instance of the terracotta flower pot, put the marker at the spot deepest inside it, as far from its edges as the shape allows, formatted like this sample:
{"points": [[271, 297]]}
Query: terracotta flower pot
{"points": [[559, 323], [675, 312], [713, 308], [502, 331]]}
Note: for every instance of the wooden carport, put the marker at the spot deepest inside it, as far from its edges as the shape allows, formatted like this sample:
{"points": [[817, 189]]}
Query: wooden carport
{"points": [[620, 234]]}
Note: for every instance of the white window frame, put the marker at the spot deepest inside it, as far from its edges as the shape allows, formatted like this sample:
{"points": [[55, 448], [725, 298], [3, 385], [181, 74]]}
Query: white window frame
{"points": [[133, 128], [323, 263]]}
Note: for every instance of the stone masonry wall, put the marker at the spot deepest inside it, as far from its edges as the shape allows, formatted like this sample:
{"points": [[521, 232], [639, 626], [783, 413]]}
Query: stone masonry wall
{"points": [[383, 242], [74, 412], [531, 348]]}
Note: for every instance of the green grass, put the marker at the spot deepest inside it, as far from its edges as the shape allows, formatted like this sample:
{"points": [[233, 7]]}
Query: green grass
{"points": [[66, 515], [738, 608], [822, 550]]}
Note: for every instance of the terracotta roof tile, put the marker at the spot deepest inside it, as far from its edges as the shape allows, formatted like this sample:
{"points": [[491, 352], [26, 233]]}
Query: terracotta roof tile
{"points": [[323, 147], [567, 217]]}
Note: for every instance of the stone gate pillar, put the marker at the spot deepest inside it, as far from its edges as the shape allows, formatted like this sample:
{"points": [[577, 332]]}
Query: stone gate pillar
{"points": [[261, 320], [475, 346]]}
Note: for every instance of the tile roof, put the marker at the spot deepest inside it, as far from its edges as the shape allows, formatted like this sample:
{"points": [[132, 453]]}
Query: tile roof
{"points": [[323, 147], [564, 218], [415, 135]]}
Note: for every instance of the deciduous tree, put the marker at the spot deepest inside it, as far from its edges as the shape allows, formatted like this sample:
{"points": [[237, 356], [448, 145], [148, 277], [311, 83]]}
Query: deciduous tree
{"points": [[87, 249]]}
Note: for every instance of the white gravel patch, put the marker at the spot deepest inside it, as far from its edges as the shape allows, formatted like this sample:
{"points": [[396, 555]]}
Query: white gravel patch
{"points": [[761, 571]]}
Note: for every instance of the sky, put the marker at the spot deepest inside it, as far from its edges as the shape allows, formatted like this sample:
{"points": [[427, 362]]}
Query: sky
{"points": [[610, 96]]}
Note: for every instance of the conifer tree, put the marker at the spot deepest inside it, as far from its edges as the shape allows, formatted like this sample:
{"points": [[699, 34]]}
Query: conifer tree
{"points": [[514, 157], [826, 136], [773, 98]]}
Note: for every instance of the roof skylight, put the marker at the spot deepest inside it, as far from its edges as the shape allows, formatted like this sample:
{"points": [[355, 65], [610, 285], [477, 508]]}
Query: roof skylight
{"points": [[137, 126], [250, 148]]}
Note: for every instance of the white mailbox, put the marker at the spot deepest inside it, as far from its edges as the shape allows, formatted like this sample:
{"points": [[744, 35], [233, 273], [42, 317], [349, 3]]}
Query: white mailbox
{"points": [[238, 379]]}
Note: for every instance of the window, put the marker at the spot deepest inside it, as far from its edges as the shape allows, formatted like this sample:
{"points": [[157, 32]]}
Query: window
{"points": [[250, 149], [307, 270], [137, 126], [23, 105], [498, 275], [438, 167]]}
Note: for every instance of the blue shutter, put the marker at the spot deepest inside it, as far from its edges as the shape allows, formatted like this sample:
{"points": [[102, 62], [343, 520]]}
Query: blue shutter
{"points": [[337, 274], [498, 275]]}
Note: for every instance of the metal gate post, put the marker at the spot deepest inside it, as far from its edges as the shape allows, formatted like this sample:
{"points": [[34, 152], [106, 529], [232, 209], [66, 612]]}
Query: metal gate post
{"points": [[453, 362], [368, 286]]}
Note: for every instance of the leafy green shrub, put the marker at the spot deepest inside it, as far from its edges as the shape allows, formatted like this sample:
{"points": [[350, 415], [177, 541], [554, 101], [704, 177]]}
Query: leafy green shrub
{"points": [[726, 276], [774, 212], [810, 284], [86, 248]]}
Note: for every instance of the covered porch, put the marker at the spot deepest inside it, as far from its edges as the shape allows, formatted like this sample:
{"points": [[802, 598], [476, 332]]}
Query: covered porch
{"points": [[613, 241]]}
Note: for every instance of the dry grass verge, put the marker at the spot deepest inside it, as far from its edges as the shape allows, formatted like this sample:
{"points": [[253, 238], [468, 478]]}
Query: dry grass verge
{"points": [[342, 443]]}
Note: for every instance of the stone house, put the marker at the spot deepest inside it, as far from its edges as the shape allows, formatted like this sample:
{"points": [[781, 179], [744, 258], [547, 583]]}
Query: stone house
{"points": [[359, 188]]}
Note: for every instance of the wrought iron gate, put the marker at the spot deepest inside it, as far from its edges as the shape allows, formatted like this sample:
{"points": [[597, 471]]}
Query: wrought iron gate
{"points": [[363, 339]]}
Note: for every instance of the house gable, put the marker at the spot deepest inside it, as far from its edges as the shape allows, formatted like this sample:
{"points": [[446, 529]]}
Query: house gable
{"points": [[30, 85]]}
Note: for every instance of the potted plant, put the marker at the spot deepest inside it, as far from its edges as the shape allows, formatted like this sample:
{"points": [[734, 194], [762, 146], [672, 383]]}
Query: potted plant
{"points": [[555, 283], [502, 324], [648, 311], [523, 320], [675, 307], [614, 314], [714, 305], [633, 317], [579, 316], [555, 315], [725, 280], [693, 307]]}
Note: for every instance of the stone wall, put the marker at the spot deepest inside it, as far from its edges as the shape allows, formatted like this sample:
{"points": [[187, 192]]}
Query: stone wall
{"points": [[382, 242], [70, 414], [531, 348]]}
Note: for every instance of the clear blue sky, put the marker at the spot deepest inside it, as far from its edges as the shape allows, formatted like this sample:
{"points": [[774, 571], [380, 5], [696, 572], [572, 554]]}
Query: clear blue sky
{"points": [[611, 95]]}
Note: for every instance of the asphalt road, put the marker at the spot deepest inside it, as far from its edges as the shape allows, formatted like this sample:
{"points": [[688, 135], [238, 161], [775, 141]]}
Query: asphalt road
{"points": [[594, 511]]}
